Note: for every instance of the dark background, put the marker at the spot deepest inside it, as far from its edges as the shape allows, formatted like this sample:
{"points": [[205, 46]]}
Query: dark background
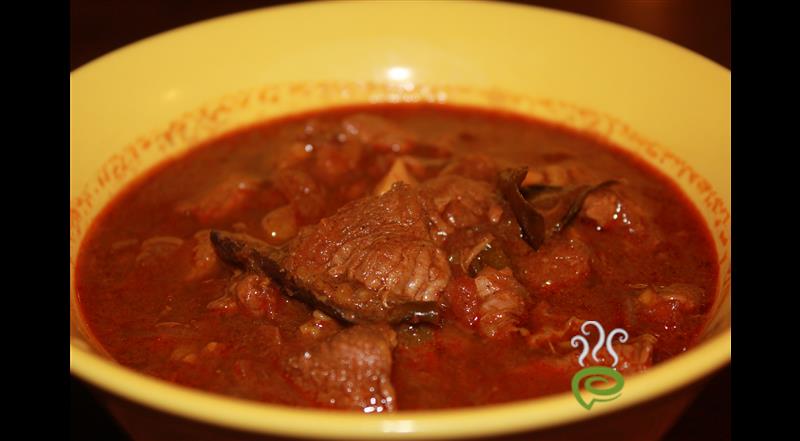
{"points": [[704, 26], [100, 26]]}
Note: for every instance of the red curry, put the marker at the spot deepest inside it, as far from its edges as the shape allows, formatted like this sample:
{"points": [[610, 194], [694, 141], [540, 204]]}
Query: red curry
{"points": [[394, 257]]}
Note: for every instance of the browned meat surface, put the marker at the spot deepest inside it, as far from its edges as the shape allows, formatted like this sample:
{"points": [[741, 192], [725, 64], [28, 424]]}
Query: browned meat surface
{"points": [[462, 300], [659, 309], [502, 302], [379, 258], [561, 263], [351, 370], [305, 195], [252, 293], [372, 255], [603, 208], [609, 208], [377, 253], [616, 209], [252, 255], [458, 202]]}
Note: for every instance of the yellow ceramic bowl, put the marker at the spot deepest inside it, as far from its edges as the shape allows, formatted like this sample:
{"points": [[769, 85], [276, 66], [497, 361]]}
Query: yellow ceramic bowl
{"points": [[157, 98]]}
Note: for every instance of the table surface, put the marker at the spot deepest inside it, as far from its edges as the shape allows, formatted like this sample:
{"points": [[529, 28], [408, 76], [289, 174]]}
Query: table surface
{"points": [[98, 27]]}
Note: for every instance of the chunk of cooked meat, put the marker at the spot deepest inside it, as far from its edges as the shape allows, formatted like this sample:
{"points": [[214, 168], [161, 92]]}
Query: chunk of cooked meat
{"points": [[226, 304], [254, 256], [378, 132], [253, 293], [156, 250], [332, 161], [257, 294], [375, 259], [457, 202], [555, 338], [664, 306], [559, 264], [319, 326], [221, 200], [373, 255], [462, 299], [204, 258], [621, 211], [634, 356], [553, 332], [280, 225], [304, 194], [683, 297], [561, 174], [502, 302], [350, 370], [637, 355], [603, 208], [550, 329], [608, 209]]}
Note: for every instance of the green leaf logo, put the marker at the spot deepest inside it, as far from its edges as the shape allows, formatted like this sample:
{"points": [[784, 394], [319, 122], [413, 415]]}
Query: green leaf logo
{"points": [[597, 374]]}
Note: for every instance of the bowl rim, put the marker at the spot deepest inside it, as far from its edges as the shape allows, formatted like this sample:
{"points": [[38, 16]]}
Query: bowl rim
{"points": [[552, 410], [695, 364]]}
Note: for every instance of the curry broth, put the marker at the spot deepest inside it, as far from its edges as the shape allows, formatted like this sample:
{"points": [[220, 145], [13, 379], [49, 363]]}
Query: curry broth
{"points": [[148, 312]]}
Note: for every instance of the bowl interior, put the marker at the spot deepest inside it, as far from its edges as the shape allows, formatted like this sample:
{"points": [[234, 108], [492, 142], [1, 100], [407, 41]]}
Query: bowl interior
{"points": [[157, 98]]}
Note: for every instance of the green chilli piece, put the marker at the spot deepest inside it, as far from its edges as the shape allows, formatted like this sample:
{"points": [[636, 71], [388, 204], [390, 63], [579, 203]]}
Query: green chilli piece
{"points": [[592, 375]]}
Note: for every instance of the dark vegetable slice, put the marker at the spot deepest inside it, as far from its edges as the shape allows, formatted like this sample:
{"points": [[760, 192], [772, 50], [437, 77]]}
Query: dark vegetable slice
{"points": [[559, 205], [530, 221], [252, 255], [492, 256], [415, 312], [543, 210]]}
